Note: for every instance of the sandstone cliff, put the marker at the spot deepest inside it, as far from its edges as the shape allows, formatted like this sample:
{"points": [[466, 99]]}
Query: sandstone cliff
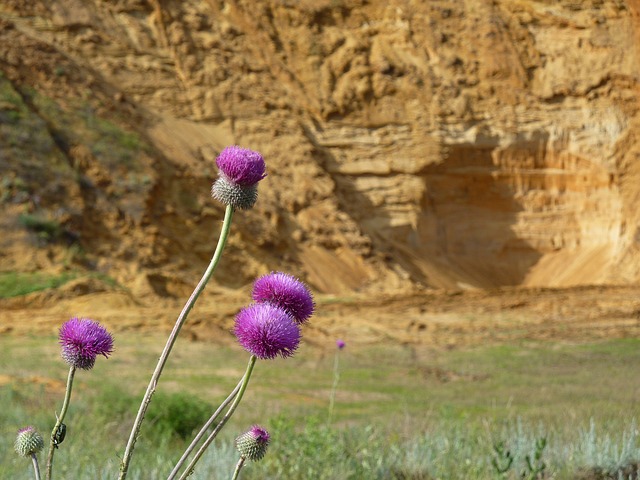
{"points": [[440, 143]]}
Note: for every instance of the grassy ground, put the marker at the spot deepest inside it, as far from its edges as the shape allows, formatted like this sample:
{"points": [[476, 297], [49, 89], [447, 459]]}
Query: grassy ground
{"points": [[399, 412], [13, 284]]}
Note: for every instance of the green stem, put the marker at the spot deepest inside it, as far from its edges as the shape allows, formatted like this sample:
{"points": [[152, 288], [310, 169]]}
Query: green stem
{"points": [[238, 467], [227, 416], [203, 430], [36, 468], [334, 387], [59, 419], [153, 383]]}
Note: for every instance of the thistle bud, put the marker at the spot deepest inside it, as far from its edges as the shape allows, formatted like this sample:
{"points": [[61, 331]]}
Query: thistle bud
{"points": [[253, 444], [28, 441]]}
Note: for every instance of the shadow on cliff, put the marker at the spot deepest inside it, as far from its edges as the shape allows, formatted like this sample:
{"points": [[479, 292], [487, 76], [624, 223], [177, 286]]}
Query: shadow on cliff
{"points": [[463, 230]]}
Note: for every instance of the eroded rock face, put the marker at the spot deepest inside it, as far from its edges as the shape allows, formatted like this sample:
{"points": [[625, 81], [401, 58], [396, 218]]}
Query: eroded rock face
{"points": [[445, 143]]}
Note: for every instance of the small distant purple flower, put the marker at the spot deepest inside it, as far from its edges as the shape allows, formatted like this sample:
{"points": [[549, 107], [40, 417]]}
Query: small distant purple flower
{"points": [[267, 331], [240, 171], [241, 166], [253, 444], [287, 292], [340, 344], [82, 340]]}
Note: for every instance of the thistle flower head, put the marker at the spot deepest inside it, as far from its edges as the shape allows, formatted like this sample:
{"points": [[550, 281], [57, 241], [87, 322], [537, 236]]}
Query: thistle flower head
{"points": [[287, 292], [82, 340], [28, 441], [241, 165], [340, 344], [253, 444], [267, 331], [240, 171]]}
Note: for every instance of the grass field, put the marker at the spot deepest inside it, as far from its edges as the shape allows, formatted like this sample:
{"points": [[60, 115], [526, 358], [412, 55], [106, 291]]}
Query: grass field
{"points": [[400, 412]]}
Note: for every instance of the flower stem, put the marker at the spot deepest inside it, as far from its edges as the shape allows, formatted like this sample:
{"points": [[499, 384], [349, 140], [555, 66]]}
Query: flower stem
{"points": [[227, 416], [59, 419], [203, 430], [36, 468], [224, 233], [238, 467], [336, 378]]}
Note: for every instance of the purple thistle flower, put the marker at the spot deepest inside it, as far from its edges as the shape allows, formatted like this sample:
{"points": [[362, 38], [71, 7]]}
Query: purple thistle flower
{"points": [[240, 171], [287, 292], [253, 443], [241, 165], [340, 344], [82, 340], [267, 331]]}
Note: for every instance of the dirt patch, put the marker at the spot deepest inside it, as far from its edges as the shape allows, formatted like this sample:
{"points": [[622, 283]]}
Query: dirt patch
{"points": [[431, 318], [50, 385]]}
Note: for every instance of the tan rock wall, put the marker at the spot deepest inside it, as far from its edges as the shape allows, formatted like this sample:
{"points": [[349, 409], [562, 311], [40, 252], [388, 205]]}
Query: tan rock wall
{"points": [[444, 143]]}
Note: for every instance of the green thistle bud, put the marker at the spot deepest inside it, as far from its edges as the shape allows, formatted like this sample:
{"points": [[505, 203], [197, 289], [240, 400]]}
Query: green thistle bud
{"points": [[238, 196], [28, 442], [253, 444]]}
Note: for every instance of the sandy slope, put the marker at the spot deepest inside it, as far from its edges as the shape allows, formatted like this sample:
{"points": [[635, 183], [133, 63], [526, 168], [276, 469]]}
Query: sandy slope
{"points": [[426, 319]]}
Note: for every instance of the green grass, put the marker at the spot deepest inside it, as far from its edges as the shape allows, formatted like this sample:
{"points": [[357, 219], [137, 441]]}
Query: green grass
{"points": [[78, 122], [13, 284], [399, 413], [21, 130], [48, 230]]}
